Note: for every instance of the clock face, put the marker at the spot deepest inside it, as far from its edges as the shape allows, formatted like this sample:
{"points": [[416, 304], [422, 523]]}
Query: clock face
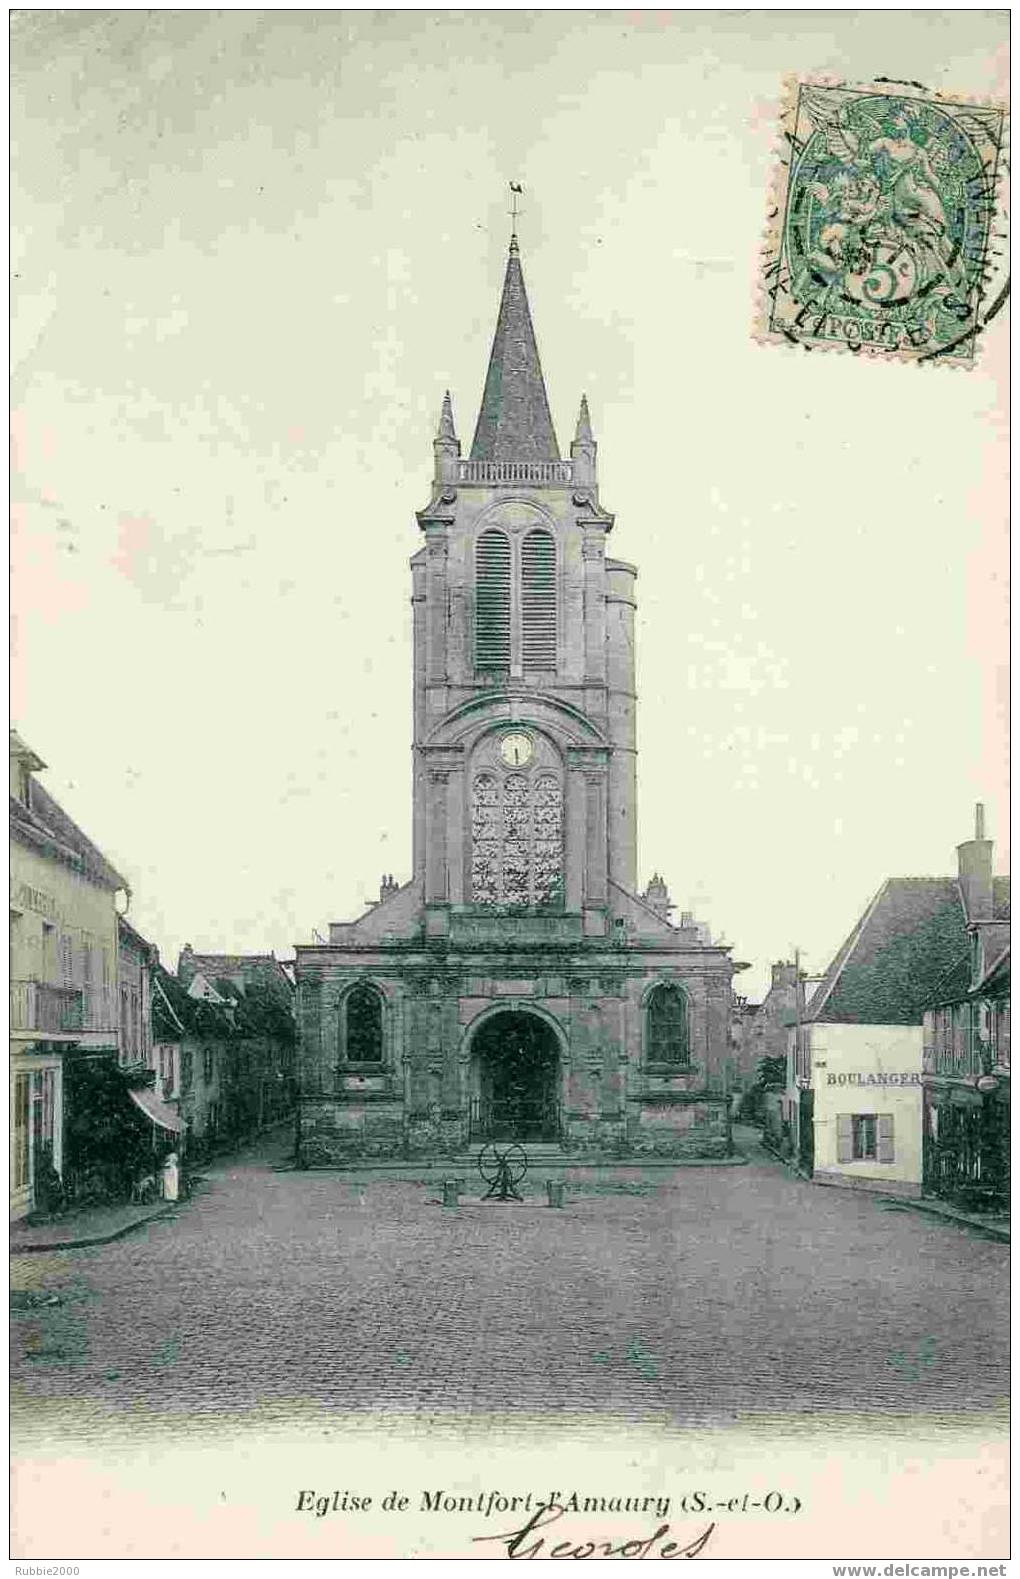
{"points": [[516, 750]]}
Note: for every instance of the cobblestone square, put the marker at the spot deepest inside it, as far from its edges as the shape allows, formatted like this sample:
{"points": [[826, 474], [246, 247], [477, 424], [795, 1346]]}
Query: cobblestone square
{"points": [[670, 1296]]}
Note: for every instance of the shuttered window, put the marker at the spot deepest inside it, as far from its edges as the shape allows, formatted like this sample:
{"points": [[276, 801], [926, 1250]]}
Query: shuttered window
{"points": [[538, 601], [492, 601], [865, 1137]]}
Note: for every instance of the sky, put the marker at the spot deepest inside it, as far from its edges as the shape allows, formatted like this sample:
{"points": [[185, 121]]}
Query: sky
{"points": [[252, 249]]}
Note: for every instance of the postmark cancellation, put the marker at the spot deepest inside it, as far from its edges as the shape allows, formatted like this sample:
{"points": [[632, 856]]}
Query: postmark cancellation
{"points": [[886, 226]]}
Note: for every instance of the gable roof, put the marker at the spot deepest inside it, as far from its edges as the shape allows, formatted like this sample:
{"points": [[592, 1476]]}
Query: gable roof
{"points": [[894, 963], [514, 422]]}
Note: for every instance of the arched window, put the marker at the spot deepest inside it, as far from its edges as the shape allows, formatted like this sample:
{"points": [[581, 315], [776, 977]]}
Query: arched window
{"points": [[516, 839], [666, 1019], [361, 1026], [492, 601], [538, 601]]}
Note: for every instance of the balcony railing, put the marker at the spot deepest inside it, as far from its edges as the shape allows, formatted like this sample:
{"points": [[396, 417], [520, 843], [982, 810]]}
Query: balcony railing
{"points": [[515, 471], [43, 1007]]}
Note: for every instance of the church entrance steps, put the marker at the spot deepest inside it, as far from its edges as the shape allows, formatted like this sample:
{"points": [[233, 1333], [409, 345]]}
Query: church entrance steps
{"points": [[465, 1165]]}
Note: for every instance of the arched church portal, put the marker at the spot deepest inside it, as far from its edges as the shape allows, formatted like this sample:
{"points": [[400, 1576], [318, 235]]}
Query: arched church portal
{"points": [[515, 1069]]}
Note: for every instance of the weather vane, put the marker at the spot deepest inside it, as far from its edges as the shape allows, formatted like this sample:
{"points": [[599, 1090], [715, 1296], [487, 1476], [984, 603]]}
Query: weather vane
{"points": [[516, 191]]}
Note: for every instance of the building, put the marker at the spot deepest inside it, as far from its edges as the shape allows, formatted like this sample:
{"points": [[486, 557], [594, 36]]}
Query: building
{"points": [[224, 1038], [136, 959], [518, 986], [856, 1056], [63, 957], [966, 1047]]}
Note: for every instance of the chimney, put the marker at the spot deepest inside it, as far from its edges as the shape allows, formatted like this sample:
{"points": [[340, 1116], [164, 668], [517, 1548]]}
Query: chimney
{"points": [[186, 964], [388, 886], [975, 870]]}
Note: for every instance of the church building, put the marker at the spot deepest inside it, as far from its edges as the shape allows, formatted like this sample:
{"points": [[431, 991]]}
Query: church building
{"points": [[517, 987]]}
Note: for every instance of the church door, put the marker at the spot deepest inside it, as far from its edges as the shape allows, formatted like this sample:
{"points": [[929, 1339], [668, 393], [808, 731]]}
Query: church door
{"points": [[516, 1080]]}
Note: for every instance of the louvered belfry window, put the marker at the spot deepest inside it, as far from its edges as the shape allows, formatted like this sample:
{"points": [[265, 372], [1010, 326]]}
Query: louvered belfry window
{"points": [[538, 601], [492, 601]]}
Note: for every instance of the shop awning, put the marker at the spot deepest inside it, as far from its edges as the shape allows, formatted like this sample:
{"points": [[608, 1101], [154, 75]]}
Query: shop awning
{"points": [[158, 1111]]}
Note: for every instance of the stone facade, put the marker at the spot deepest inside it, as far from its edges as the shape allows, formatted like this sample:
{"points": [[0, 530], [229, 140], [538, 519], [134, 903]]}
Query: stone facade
{"points": [[518, 986]]}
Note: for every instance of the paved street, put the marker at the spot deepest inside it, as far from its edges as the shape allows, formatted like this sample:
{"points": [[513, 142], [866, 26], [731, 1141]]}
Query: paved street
{"points": [[670, 1296]]}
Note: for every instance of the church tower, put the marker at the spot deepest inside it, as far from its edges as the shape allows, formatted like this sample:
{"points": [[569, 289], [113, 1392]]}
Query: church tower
{"points": [[524, 737], [517, 987]]}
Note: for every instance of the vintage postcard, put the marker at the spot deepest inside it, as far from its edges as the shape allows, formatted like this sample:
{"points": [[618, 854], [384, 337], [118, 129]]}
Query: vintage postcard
{"points": [[509, 966]]}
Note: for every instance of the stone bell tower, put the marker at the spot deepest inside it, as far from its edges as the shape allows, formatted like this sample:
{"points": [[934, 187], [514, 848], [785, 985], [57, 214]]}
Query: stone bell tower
{"points": [[523, 654], [517, 986]]}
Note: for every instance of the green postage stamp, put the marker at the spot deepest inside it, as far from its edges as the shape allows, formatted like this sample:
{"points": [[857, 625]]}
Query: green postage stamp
{"points": [[885, 231]]}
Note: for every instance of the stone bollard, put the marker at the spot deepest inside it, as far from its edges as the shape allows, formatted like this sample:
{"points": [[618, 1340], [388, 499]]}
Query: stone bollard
{"points": [[554, 1189], [451, 1190]]}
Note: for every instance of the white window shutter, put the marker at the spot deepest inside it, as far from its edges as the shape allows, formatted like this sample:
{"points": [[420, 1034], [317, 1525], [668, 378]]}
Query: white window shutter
{"points": [[844, 1137], [886, 1150]]}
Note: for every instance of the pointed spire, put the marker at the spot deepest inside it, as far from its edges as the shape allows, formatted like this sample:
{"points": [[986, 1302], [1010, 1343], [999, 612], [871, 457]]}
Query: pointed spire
{"points": [[446, 429], [514, 422], [583, 434], [446, 445], [584, 450]]}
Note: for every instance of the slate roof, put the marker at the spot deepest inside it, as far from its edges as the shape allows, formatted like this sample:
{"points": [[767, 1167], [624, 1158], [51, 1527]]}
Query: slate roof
{"points": [[896, 960], [43, 824], [514, 423]]}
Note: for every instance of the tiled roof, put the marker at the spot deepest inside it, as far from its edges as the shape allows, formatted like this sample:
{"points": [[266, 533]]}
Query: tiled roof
{"points": [[514, 423], [891, 967], [220, 967], [1000, 898], [131, 935], [44, 823]]}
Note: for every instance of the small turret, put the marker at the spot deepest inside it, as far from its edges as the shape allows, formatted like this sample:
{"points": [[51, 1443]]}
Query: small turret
{"points": [[584, 450], [656, 897], [186, 964], [446, 444]]}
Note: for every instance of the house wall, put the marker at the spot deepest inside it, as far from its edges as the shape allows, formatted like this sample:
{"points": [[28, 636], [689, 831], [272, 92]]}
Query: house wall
{"points": [[63, 933], [63, 965], [134, 1002], [868, 1070]]}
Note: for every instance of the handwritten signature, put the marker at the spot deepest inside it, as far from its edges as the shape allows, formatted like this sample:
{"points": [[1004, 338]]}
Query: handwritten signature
{"points": [[516, 1541]]}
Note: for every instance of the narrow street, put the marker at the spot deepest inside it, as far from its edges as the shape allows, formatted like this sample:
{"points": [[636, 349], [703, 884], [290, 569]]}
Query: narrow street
{"points": [[676, 1296]]}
